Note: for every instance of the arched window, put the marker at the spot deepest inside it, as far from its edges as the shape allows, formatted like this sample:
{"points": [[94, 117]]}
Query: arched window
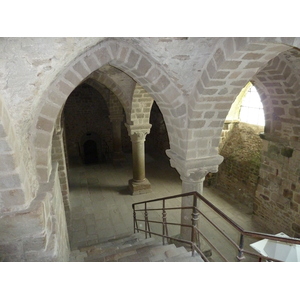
{"points": [[252, 111], [247, 107]]}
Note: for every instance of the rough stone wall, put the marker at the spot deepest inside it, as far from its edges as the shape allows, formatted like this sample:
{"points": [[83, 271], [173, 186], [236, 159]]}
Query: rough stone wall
{"points": [[277, 196], [141, 107], [194, 87], [22, 234], [277, 201], [238, 173], [38, 233], [157, 141]]}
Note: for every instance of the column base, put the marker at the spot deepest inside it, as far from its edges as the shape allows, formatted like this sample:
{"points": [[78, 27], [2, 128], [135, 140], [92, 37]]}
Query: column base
{"points": [[139, 187]]}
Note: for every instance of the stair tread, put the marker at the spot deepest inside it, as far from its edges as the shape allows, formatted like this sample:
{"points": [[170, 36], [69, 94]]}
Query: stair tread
{"points": [[133, 248], [185, 257]]}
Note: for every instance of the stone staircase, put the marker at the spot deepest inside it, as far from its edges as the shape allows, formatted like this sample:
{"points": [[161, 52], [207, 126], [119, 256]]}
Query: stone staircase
{"points": [[133, 248]]}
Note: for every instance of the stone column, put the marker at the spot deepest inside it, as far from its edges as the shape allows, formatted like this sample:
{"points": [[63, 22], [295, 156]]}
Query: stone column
{"points": [[192, 173], [118, 154], [139, 184]]}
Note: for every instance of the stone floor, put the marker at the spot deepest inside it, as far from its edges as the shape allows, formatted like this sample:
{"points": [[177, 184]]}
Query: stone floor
{"points": [[101, 204]]}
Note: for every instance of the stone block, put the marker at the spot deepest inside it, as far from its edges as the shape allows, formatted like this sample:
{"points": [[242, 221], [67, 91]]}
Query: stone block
{"points": [[65, 88], [209, 92], [12, 197], [7, 163], [35, 244], [132, 59], [43, 139], [162, 83], [43, 173], [195, 124], [144, 66], [123, 54], [114, 49], [153, 75], [81, 69], [72, 77], [10, 181], [219, 58], [253, 56], [44, 124], [50, 110], [55, 98], [92, 62], [21, 225]]}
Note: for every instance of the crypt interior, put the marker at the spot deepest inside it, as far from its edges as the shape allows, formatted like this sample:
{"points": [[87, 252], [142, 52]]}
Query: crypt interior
{"points": [[90, 126]]}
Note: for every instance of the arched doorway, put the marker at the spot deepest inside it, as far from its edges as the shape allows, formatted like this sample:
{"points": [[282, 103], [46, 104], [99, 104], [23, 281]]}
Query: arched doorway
{"points": [[90, 151]]}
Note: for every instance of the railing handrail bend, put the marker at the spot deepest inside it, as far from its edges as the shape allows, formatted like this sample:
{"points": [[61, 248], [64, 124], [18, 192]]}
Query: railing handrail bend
{"points": [[197, 196], [218, 211]]}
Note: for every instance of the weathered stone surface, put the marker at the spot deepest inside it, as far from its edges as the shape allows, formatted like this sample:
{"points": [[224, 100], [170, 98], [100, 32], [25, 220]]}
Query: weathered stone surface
{"points": [[185, 76]]}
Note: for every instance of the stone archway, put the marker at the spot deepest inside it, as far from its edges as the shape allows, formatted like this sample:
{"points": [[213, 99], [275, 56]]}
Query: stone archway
{"points": [[131, 61]]}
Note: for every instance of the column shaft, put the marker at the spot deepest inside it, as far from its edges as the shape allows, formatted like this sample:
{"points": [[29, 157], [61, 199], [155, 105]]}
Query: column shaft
{"points": [[139, 184], [138, 160]]}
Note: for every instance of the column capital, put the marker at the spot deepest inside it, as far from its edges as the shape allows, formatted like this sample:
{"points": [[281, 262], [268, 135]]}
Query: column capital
{"points": [[196, 169], [138, 132]]}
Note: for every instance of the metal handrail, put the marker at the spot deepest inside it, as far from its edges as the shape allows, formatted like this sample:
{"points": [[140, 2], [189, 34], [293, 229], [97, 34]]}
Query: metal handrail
{"points": [[194, 242]]}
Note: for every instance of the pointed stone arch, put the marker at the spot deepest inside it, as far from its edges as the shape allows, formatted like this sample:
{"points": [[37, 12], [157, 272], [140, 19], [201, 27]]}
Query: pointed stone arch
{"points": [[101, 77], [279, 86], [130, 60], [231, 66]]}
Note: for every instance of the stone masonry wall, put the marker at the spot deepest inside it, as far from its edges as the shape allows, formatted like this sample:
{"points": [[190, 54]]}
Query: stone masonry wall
{"points": [[157, 141], [277, 201], [238, 174], [39, 233]]}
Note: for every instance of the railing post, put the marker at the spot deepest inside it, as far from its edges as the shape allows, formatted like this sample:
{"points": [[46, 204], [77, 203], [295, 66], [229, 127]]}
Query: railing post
{"points": [[195, 218], [164, 220], [135, 227], [241, 249], [147, 225], [146, 220], [165, 227]]}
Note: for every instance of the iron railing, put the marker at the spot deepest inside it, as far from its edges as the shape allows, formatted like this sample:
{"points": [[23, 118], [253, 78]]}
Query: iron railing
{"points": [[198, 236]]}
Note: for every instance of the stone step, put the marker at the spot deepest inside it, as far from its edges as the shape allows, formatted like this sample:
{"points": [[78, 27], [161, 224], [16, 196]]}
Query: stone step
{"points": [[185, 257], [133, 248]]}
